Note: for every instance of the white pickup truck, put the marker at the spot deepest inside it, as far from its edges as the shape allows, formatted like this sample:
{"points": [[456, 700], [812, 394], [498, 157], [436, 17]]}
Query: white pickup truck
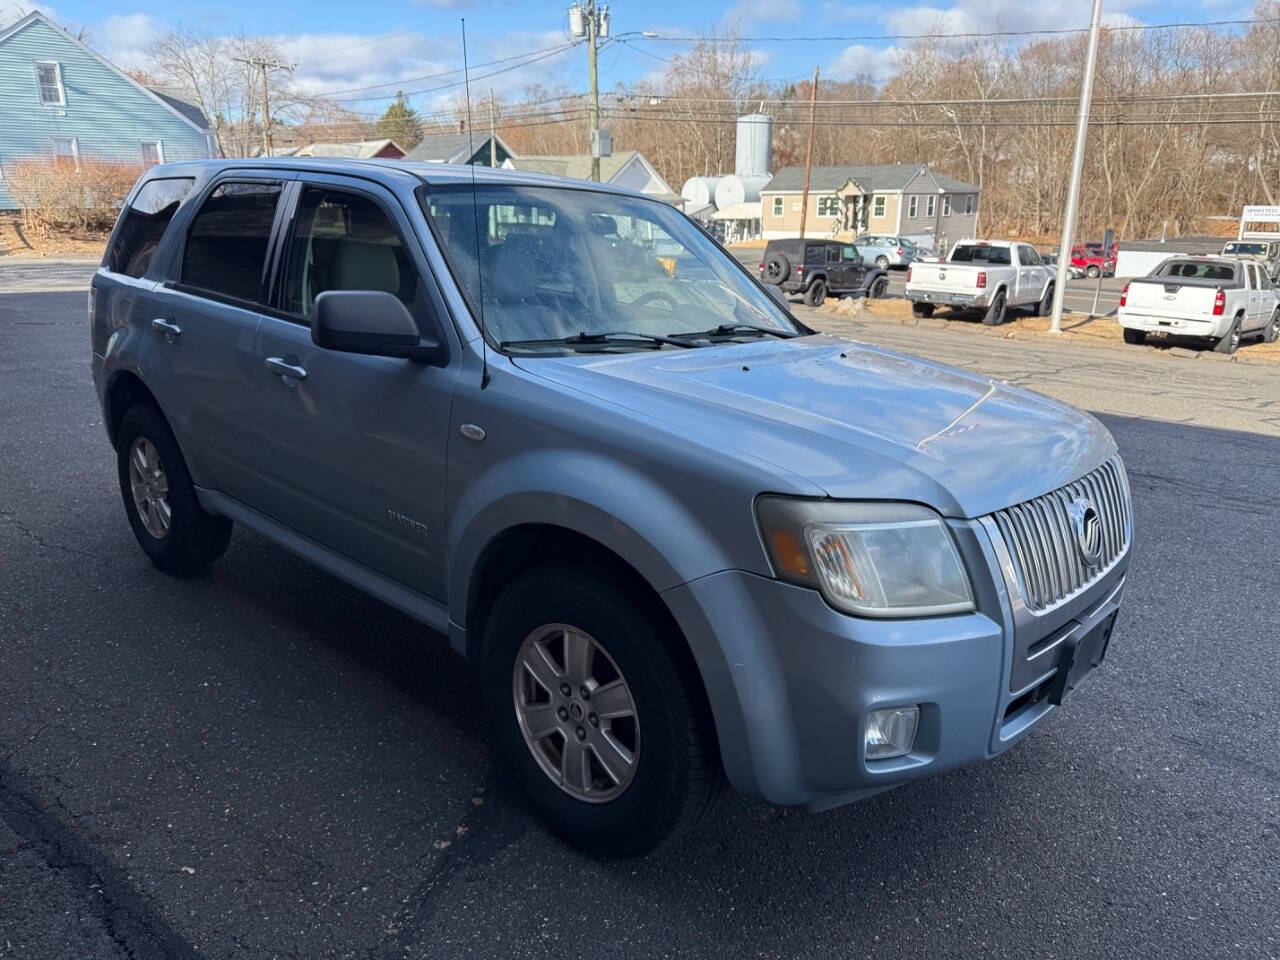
{"points": [[1217, 298], [988, 275]]}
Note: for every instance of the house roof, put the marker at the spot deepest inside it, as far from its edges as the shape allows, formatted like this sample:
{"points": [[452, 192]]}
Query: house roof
{"points": [[573, 165], [175, 101], [354, 148], [452, 147], [871, 177], [179, 108]]}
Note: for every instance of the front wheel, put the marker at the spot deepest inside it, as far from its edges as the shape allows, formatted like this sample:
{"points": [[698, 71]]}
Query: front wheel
{"points": [[816, 294], [1093, 272], [603, 723], [879, 287], [995, 313], [160, 499], [1135, 337]]}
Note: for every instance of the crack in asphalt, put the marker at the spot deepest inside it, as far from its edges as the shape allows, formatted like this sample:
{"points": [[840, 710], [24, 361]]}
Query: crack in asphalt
{"points": [[124, 913], [12, 517]]}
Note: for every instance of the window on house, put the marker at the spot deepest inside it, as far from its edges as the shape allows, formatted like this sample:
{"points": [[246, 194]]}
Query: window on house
{"points": [[946, 206], [829, 206], [930, 206], [226, 247], [913, 205], [777, 206], [152, 153], [968, 204], [877, 205], [49, 82], [66, 153]]}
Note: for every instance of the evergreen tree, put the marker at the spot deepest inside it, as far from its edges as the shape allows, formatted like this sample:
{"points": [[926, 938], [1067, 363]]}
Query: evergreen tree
{"points": [[401, 123]]}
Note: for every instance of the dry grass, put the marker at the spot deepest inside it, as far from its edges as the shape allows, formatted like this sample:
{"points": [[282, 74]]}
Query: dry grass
{"points": [[1100, 331], [65, 209]]}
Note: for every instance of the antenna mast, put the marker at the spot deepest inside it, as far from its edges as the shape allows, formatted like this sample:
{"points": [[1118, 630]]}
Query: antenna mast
{"points": [[475, 214]]}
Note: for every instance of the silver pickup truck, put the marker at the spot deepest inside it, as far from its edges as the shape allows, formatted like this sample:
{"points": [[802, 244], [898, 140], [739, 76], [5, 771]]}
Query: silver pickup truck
{"points": [[987, 275], [682, 536]]}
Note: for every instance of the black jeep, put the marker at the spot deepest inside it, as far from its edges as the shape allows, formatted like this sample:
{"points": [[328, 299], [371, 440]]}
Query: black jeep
{"points": [[816, 268]]}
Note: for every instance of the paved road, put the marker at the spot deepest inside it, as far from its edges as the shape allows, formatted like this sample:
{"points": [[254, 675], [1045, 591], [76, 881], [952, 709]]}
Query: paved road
{"points": [[1079, 297], [262, 762]]}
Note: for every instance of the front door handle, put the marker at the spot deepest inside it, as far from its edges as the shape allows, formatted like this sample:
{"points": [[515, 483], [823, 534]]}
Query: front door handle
{"points": [[284, 368], [170, 329]]}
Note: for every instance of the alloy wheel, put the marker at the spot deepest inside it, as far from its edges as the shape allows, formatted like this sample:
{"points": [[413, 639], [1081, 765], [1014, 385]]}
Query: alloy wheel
{"points": [[576, 713], [150, 488]]}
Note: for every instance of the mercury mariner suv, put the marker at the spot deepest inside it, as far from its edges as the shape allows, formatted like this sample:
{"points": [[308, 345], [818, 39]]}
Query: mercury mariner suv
{"points": [[683, 537]]}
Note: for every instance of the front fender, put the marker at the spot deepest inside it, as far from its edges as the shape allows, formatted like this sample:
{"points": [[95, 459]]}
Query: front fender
{"points": [[608, 501]]}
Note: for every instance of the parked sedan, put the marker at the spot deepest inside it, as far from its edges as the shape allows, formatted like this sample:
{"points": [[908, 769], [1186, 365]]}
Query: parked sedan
{"points": [[885, 252]]}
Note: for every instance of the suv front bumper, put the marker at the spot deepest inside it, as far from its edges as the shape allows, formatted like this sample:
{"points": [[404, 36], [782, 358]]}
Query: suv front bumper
{"points": [[791, 680]]}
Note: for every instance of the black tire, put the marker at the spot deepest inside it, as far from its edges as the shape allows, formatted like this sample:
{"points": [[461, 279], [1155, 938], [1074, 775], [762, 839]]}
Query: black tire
{"points": [[882, 262], [194, 538], [816, 293], [777, 267], [1272, 332], [1093, 272], [922, 310], [1231, 340], [1135, 337], [1045, 306], [995, 313], [678, 775], [879, 287]]}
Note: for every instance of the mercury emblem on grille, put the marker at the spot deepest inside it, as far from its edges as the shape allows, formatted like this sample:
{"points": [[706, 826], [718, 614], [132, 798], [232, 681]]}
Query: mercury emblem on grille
{"points": [[1088, 529]]}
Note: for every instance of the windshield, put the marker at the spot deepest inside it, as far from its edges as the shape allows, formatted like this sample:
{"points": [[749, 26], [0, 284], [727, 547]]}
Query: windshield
{"points": [[1246, 249], [553, 262], [980, 253]]}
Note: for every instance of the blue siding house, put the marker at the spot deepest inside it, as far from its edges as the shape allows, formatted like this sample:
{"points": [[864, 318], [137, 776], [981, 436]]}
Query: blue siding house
{"points": [[59, 99]]}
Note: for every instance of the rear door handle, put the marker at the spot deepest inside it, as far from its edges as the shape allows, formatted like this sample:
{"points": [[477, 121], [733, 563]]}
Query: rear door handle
{"points": [[170, 329], [284, 368]]}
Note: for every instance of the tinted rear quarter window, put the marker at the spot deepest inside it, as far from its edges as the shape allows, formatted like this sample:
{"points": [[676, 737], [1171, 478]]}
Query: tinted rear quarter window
{"points": [[227, 244], [143, 223]]}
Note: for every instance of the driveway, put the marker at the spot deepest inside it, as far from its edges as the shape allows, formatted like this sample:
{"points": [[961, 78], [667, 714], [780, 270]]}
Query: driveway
{"points": [[263, 762]]}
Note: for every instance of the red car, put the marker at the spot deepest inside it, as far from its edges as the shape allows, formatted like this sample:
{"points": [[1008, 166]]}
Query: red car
{"points": [[1094, 260]]}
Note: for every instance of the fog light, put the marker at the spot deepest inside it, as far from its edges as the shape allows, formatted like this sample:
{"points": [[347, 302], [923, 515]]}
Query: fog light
{"points": [[891, 732]]}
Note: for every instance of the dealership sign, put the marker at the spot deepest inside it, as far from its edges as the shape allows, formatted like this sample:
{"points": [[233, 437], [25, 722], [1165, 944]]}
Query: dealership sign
{"points": [[1261, 214]]}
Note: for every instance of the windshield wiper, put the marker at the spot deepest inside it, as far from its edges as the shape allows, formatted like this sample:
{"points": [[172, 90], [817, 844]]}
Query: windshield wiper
{"points": [[729, 329], [596, 339]]}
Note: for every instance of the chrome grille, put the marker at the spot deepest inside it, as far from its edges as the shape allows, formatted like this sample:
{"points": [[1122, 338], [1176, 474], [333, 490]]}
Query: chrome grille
{"points": [[1041, 538]]}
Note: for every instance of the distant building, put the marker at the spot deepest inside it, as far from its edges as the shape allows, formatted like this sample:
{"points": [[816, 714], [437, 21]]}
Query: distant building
{"points": [[62, 101], [360, 149], [626, 168], [894, 199], [459, 148]]}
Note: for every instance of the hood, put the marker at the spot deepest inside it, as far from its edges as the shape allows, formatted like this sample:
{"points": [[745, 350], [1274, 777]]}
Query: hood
{"points": [[859, 421]]}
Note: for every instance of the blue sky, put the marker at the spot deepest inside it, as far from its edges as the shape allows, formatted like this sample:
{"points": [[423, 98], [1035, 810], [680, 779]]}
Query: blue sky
{"points": [[347, 49]]}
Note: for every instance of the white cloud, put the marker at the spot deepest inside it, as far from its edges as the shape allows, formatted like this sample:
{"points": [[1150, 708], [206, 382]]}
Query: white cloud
{"points": [[764, 11], [124, 39], [978, 16], [861, 60]]}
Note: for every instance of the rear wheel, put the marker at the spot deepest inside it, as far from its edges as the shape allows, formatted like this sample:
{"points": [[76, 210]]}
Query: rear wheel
{"points": [[160, 499], [816, 294], [1045, 306], [1136, 337], [1272, 333], [1231, 341], [604, 725], [995, 313], [879, 287], [922, 310], [882, 262]]}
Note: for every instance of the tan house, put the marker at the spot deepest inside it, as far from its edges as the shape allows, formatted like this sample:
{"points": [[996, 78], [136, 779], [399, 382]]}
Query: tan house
{"points": [[906, 200]]}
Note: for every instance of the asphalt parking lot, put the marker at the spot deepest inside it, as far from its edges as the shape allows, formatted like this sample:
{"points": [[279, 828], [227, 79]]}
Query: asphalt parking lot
{"points": [[263, 762]]}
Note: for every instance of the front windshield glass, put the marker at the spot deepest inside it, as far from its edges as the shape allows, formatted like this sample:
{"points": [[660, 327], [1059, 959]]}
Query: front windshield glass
{"points": [[555, 262]]}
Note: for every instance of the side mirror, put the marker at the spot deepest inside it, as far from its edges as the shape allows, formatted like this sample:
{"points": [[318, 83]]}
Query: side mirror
{"points": [[370, 322]]}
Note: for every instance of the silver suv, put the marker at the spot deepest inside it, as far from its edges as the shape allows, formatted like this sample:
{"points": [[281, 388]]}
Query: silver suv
{"points": [[682, 536]]}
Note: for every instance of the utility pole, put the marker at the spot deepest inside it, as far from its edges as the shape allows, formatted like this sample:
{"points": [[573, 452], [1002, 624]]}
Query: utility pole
{"points": [[594, 110], [1077, 168], [808, 154], [263, 65], [493, 133]]}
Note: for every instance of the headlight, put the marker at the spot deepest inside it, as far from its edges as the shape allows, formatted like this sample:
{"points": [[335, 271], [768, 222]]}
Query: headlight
{"points": [[871, 559]]}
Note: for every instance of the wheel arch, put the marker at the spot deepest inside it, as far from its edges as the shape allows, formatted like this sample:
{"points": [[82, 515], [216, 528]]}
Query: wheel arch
{"points": [[125, 390]]}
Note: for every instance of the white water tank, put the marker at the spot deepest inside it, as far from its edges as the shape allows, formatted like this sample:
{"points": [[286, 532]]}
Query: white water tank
{"points": [[700, 191], [736, 189], [753, 154]]}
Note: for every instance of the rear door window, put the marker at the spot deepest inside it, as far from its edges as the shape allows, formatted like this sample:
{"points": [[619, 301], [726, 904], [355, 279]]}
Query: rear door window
{"points": [[226, 251], [143, 223]]}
